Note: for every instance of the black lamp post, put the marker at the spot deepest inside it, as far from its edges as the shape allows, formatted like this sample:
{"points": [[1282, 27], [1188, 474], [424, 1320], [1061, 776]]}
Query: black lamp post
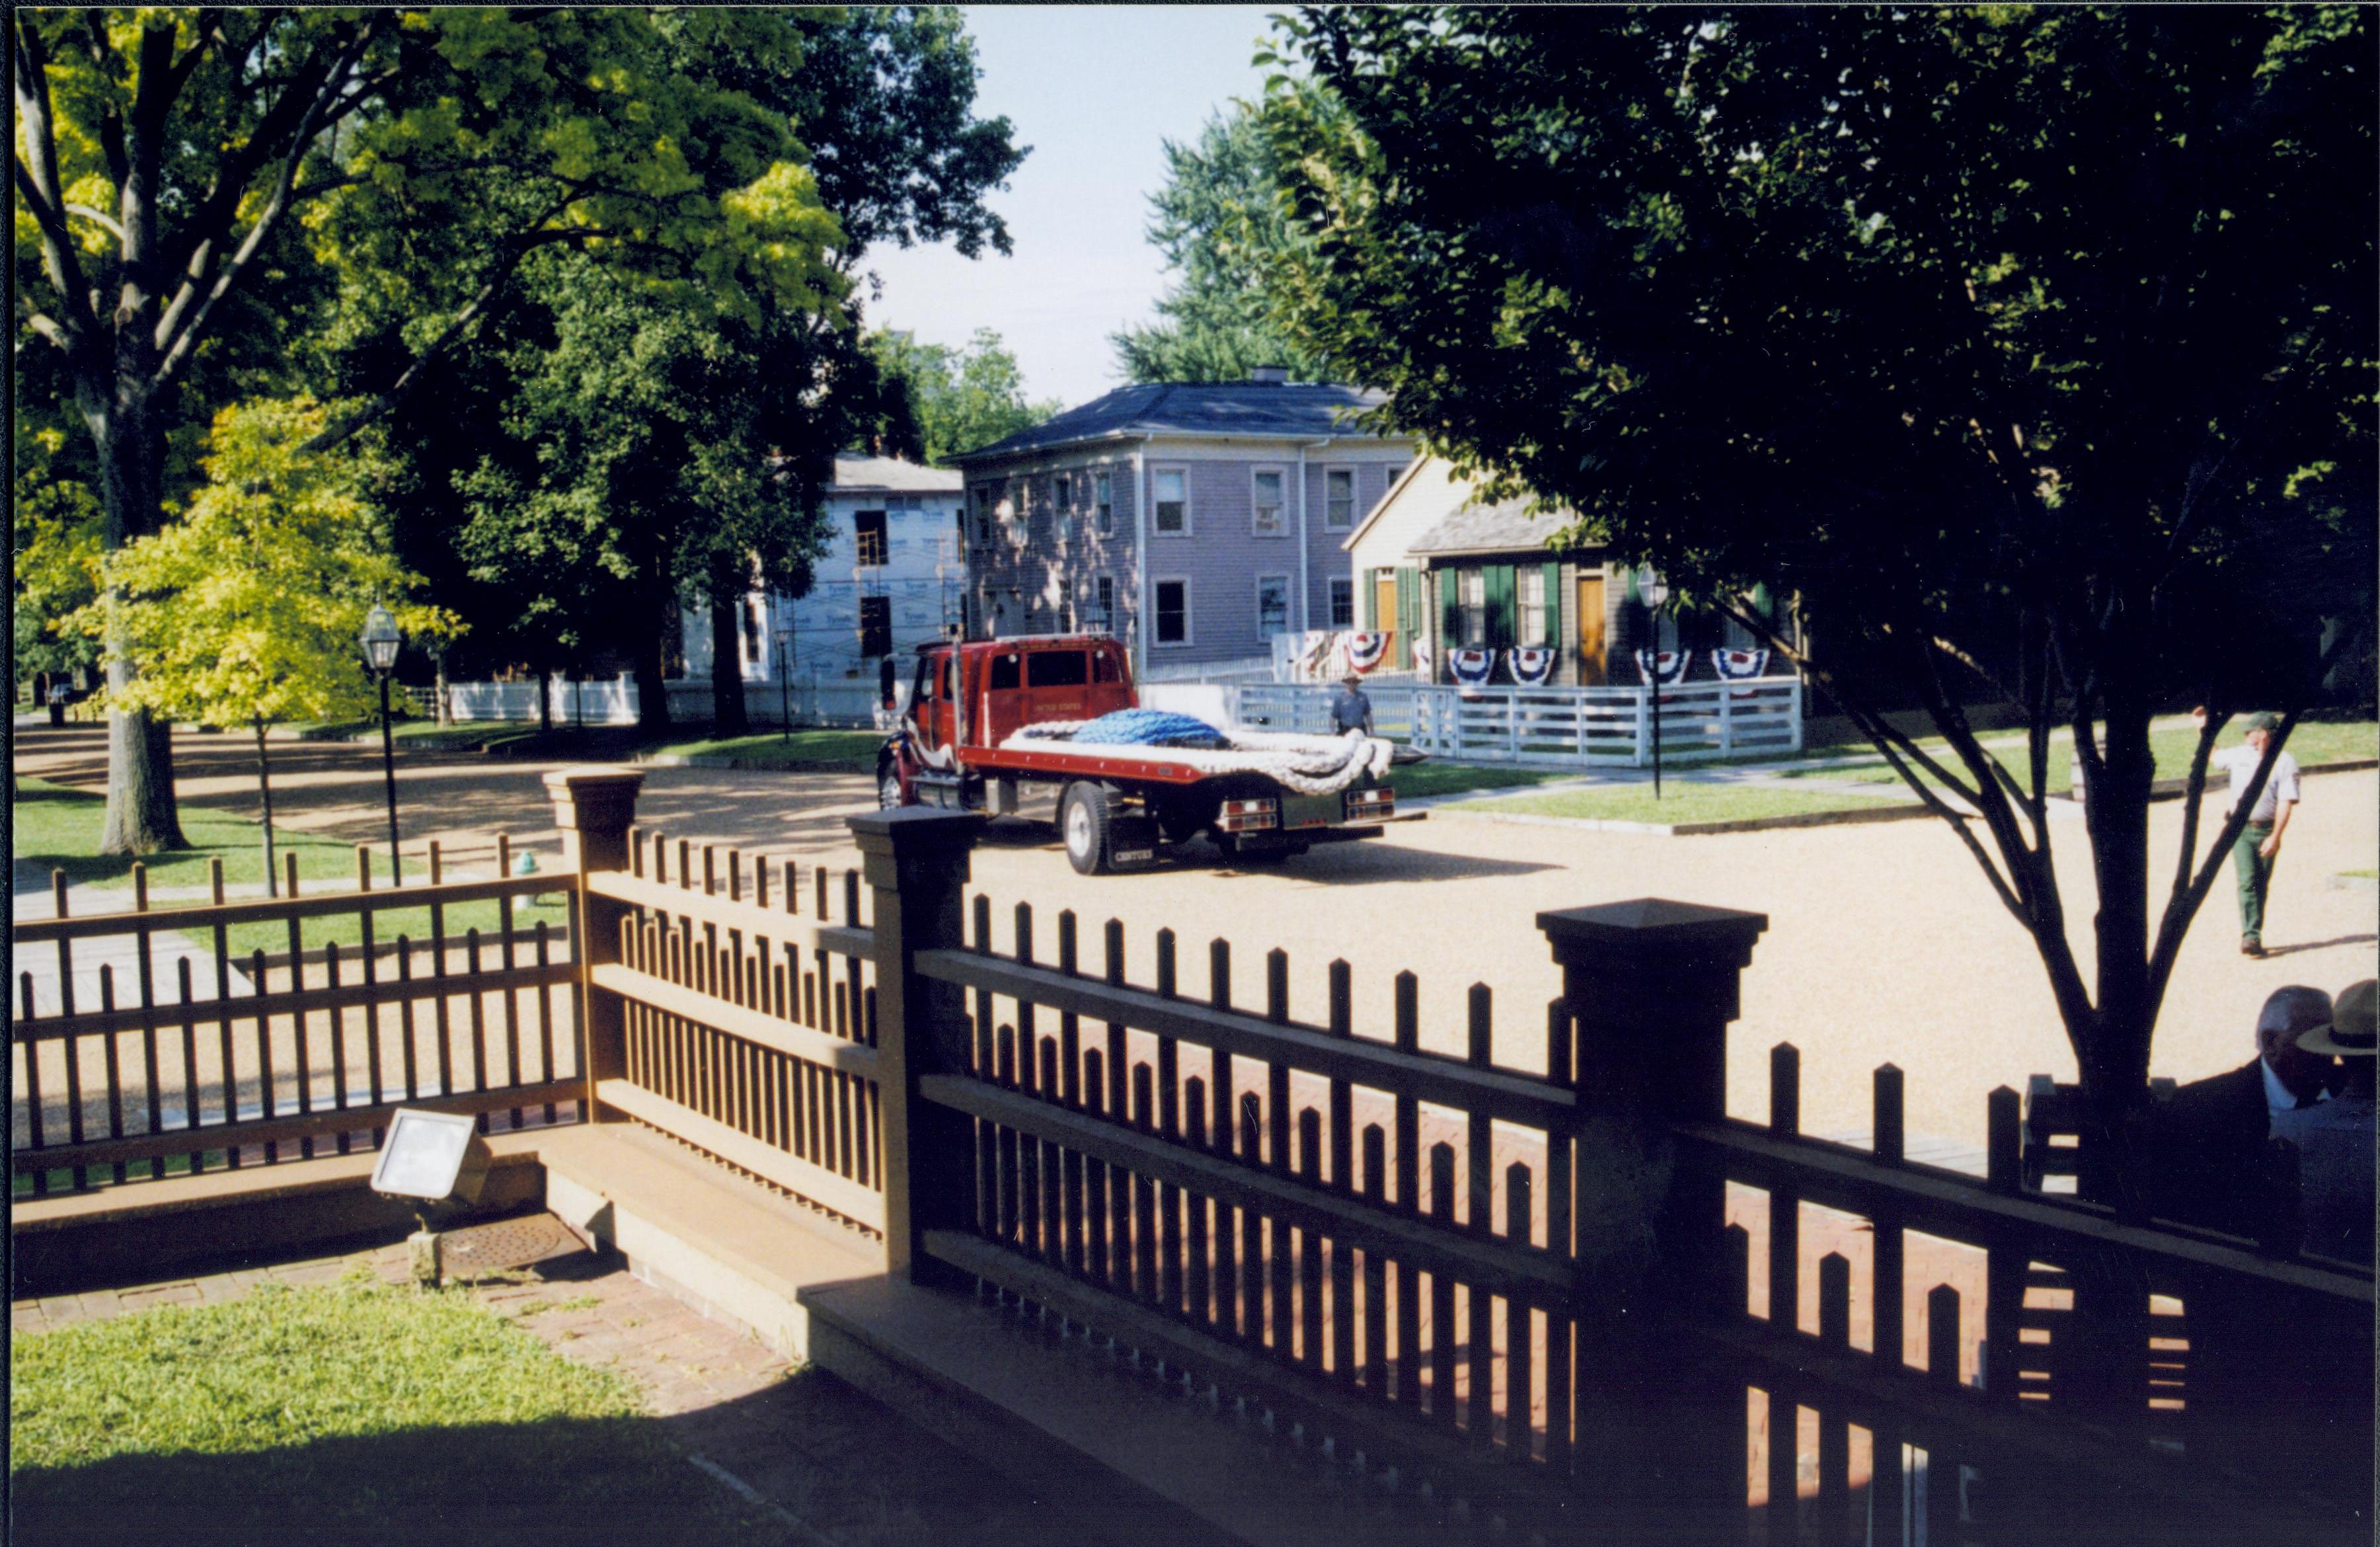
{"points": [[380, 642], [784, 687], [1655, 593]]}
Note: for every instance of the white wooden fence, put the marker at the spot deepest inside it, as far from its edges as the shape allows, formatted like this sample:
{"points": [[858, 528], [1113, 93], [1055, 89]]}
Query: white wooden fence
{"points": [[1552, 727], [812, 701]]}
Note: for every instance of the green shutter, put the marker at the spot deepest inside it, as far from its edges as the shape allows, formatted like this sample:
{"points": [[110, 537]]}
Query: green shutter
{"points": [[1500, 588], [1552, 570], [1408, 603], [1449, 613], [1368, 580]]}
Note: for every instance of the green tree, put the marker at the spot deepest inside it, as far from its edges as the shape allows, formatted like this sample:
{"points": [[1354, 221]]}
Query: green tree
{"points": [[247, 610], [1219, 222], [180, 174], [963, 398], [2032, 347]]}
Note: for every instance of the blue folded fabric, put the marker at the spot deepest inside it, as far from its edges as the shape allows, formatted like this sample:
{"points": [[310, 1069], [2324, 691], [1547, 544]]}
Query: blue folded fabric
{"points": [[1150, 727]]}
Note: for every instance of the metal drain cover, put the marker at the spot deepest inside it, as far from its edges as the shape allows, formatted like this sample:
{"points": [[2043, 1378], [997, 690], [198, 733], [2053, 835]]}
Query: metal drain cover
{"points": [[505, 1244]]}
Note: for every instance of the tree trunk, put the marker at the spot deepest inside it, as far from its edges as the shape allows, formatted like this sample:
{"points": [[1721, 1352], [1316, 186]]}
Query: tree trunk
{"points": [[445, 710], [140, 816], [264, 788], [728, 717], [653, 689]]}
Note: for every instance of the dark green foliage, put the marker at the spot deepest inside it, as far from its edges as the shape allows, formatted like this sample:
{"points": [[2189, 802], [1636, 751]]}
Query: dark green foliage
{"points": [[1217, 220], [2032, 348], [961, 399]]}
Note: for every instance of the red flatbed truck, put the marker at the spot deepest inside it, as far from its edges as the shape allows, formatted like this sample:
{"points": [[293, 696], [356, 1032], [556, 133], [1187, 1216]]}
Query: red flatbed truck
{"points": [[1118, 806]]}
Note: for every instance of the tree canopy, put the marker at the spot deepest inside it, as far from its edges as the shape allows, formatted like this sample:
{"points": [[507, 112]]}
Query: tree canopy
{"points": [[2033, 345], [1218, 221], [963, 398]]}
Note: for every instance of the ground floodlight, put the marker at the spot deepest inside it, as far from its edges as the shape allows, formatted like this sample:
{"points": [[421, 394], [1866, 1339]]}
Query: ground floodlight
{"points": [[436, 1157]]}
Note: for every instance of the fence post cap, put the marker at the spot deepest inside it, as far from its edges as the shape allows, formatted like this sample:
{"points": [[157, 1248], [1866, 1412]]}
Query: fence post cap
{"points": [[594, 797], [1654, 923], [898, 840]]}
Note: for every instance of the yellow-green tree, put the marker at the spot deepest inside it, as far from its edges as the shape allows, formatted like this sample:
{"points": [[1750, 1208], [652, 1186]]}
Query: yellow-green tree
{"points": [[247, 610]]}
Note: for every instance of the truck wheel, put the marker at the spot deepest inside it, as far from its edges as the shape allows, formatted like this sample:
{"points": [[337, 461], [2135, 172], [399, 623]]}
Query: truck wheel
{"points": [[887, 788], [1083, 818]]}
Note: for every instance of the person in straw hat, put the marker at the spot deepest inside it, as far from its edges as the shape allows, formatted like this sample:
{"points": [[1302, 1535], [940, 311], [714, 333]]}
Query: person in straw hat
{"points": [[2335, 1139]]}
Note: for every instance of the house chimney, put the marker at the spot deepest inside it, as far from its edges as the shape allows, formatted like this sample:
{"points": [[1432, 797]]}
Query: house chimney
{"points": [[1269, 375]]}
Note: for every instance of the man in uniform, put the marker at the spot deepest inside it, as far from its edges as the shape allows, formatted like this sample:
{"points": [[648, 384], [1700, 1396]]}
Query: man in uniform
{"points": [[1351, 708], [2260, 840]]}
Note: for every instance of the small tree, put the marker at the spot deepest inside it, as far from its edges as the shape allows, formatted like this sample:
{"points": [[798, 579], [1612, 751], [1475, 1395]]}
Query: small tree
{"points": [[245, 612]]}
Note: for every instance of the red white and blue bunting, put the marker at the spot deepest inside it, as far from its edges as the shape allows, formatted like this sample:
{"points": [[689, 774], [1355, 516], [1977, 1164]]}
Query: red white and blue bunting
{"points": [[1669, 664], [1531, 665], [1735, 664], [1421, 657], [1471, 667], [1367, 650]]}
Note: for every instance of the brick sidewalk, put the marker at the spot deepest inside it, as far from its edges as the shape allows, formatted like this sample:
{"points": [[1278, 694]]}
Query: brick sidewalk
{"points": [[841, 1470]]}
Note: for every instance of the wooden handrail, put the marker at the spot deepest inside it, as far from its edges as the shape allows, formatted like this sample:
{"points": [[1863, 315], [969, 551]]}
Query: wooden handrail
{"points": [[386, 991], [748, 918], [724, 1014], [1514, 1097], [296, 1125], [1959, 1207], [26, 932], [1486, 1263]]}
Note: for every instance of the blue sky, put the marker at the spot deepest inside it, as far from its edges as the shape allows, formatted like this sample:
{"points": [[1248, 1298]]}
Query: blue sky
{"points": [[1093, 90]]}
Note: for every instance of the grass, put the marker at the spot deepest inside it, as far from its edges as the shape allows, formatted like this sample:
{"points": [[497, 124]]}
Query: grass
{"points": [[837, 751], [2173, 740], [1680, 801], [57, 828], [352, 1413], [1413, 781], [427, 735]]}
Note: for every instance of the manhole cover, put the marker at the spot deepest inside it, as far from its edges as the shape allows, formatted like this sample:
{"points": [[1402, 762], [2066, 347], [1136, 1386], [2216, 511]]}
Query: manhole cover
{"points": [[505, 1244]]}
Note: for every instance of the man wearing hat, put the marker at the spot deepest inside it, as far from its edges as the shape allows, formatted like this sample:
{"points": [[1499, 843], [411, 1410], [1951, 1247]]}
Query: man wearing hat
{"points": [[2334, 1138], [1351, 707], [2260, 840], [2208, 1137]]}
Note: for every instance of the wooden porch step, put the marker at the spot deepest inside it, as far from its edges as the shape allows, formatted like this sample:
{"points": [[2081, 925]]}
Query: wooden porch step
{"points": [[1116, 1453]]}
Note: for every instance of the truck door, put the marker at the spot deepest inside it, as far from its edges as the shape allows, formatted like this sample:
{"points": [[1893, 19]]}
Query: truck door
{"points": [[1003, 697], [1057, 684]]}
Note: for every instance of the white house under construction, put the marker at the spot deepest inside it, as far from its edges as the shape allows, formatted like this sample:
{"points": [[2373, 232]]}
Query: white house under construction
{"points": [[894, 574]]}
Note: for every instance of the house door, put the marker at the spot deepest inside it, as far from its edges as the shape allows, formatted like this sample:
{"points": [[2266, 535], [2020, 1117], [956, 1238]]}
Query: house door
{"points": [[1590, 630], [1384, 604]]}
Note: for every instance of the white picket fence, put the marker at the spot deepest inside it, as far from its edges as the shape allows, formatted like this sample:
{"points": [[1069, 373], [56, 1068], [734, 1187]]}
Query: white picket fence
{"points": [[1554, 728], [815, 702]]}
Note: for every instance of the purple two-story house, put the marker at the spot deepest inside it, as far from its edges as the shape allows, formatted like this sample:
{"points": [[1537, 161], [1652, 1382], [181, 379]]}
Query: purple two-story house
{"points": [[1194, 521]]}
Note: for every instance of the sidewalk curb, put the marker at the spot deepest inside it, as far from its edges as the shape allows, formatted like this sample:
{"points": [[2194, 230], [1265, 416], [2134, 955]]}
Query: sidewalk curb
{"points": [[1896, 813], [741, 765]]}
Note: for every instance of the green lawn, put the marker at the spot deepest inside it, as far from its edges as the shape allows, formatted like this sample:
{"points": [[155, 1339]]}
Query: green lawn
{"points": [[356, 1413], [1680, 801], [2173, 740], [1414, 780], [823, 751], [58, 828], [428, 735]]}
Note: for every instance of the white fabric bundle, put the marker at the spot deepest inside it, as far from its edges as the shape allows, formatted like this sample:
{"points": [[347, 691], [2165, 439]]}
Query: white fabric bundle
{"points": [[1308, 765]]}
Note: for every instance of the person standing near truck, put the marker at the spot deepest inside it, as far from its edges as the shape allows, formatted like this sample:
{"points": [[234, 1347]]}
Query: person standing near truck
{"points": [[1351, 708], [2259, 842]]}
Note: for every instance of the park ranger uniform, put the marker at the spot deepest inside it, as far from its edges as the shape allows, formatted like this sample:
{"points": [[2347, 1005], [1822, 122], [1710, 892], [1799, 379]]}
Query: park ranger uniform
{"points": [[2253, 870]]}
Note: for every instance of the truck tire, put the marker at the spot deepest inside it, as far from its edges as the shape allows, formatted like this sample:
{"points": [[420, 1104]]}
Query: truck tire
{"points": [[888, 788], [1084, 817]]}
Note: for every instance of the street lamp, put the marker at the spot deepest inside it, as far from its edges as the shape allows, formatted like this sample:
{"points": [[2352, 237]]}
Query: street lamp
{"points": [[785, 688], [1654, 592], [380, 642]]}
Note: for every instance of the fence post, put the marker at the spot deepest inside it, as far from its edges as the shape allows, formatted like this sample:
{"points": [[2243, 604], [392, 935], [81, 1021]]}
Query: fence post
{"points": [[915, 859], [593, 808], [1652, 986], [1644, 724]]}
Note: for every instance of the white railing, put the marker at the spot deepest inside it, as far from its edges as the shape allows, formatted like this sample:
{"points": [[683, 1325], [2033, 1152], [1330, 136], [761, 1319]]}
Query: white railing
{"points": [[1551, 726], [812, 701]]}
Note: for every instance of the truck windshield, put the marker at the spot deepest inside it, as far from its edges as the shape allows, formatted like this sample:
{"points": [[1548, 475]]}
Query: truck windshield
{"points": [[1056, 668]]}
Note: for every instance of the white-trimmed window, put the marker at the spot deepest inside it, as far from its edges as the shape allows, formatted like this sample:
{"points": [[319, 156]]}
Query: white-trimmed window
{"points": [[1342, 602], [1339, 499], [986, 508], [1103, 500], [1170, 497], [1529, 589], [1471, 590], [868, 537], [1272, 605], [1173, 604], [1099, 607], [1065, 493], [1267, 497]]}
